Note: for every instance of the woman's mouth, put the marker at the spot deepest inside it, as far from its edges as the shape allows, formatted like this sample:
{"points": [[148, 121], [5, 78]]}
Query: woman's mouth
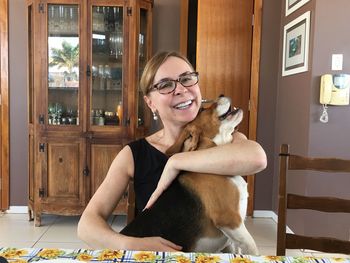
{"points": [[183, 105]]}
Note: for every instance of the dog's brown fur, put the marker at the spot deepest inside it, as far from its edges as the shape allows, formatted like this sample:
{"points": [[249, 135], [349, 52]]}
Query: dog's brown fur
{"points": [[195, 136]]}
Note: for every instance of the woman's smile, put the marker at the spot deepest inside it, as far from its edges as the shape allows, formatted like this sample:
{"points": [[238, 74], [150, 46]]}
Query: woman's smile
{"points": [[183, 105]]}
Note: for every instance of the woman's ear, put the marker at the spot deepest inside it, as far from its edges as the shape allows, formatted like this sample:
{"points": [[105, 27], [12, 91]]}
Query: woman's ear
{"points": [[149, 103]]}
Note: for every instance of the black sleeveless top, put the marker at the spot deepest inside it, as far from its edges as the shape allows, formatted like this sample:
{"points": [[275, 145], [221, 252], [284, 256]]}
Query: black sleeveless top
{"points": [[149, 163]]}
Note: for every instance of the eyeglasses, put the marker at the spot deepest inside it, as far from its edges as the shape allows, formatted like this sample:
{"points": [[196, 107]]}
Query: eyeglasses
{"points": [[169, 85]]}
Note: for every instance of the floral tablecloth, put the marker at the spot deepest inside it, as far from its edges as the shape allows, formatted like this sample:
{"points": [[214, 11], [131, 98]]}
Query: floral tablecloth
{"points": [[39, 254]]}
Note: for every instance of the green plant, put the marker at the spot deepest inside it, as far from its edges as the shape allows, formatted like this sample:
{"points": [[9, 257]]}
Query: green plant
{"points": [[67, 56]]}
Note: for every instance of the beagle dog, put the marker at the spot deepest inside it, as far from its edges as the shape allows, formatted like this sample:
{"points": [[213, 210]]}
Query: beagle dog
{"points": [[201, 212]]}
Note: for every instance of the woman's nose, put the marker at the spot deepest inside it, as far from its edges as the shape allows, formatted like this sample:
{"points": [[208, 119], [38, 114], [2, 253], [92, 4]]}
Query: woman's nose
{"points": [[179, 88]]}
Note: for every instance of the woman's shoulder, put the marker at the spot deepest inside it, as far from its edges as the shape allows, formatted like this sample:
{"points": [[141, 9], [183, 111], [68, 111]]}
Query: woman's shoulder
{"points": [[139, 145], [145, 147]]}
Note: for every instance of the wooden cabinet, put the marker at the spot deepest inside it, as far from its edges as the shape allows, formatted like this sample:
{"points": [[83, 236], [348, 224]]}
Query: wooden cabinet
{"points": [[84, 65], [222, 41]]}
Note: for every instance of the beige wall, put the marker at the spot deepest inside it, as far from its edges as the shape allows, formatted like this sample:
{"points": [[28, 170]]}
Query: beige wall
{"points": [[18, 103], [166, 25], [298, 112]]}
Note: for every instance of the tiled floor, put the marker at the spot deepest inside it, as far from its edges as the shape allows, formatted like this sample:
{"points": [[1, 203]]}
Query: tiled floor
{"points": [[60, 232]]}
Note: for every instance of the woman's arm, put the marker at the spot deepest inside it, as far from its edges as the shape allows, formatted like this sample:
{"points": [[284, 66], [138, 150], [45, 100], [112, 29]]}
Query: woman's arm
{"points": [[93, 227], [241, 157]]}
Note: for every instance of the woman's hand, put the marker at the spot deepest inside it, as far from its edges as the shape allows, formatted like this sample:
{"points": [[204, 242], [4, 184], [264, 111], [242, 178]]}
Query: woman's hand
{"points": [[155, 244], [167, 177]]}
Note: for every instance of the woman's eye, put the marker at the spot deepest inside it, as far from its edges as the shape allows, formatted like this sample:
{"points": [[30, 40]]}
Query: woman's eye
{"points": [[186, 79], [165, 85]]}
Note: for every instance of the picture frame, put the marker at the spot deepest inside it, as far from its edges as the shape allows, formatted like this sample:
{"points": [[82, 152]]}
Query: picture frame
{"points": [[292, 5], [296, 45]]}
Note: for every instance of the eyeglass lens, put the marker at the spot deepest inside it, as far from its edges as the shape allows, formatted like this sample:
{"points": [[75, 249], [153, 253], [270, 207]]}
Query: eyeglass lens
{"points": [[168, 86]]}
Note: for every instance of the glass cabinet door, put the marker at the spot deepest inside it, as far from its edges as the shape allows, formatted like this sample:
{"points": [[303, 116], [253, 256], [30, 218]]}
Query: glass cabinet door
{"points": [[106, 93], [143, 54], [63, 64]]}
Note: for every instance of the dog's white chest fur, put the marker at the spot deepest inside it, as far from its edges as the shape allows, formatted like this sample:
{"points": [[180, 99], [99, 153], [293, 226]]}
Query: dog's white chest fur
{"points": [[222, 242], [212, 244], [243, 194]]}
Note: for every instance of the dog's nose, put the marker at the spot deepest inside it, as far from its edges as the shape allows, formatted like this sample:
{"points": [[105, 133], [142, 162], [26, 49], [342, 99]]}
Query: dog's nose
{"points": [[221, 95]]}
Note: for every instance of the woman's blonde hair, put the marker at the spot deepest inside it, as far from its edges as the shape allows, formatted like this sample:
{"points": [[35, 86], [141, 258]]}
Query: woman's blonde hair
{"points": [[152, 67]]}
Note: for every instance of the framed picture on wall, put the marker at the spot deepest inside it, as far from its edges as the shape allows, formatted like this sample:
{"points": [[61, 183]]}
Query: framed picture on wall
{"points": [[296, 45], [292, 5]]}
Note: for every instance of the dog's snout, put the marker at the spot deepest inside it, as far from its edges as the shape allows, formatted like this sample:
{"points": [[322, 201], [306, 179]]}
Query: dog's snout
{"points": [[235, 110], [221, 95]]}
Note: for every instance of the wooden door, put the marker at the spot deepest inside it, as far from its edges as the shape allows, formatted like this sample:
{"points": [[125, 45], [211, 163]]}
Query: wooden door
{"points": [[64, 180], [4, 107], [101, 157], [226, 53]]}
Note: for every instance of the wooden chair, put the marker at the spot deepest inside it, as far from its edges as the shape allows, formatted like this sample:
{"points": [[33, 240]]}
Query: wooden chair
{"points": [[325, 204]]}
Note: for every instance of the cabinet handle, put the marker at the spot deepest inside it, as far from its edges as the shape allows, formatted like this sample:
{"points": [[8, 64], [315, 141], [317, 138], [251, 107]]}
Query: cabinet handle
{"points": [[86, 171], [127, 122], [41, 147], [41, 119], [88, 71], [41, 192]]}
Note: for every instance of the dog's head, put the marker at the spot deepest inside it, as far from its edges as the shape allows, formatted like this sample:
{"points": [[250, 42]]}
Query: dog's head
{"points": [[212, 126]]}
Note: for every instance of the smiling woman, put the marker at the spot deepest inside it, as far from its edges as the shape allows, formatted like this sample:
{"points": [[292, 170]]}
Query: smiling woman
{"points": [[4, 110]]}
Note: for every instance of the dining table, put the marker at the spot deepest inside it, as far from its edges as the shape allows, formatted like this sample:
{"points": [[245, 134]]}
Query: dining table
{"points": [[57, 255]]}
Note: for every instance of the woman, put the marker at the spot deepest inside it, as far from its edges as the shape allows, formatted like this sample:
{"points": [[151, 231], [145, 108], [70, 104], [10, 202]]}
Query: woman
{"points": [[171, 91]]}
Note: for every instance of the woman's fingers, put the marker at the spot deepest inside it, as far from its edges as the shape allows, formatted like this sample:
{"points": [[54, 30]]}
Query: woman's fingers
{"points": [[153, 198], [171, 245]]}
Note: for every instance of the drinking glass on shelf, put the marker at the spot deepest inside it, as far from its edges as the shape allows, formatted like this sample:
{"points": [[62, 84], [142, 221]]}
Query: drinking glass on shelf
{"points": [[101, 71], [94, 71], [107, 71]]}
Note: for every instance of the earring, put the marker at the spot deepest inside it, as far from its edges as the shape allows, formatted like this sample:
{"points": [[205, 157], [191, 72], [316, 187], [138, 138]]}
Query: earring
{"points": [[155, 116]]}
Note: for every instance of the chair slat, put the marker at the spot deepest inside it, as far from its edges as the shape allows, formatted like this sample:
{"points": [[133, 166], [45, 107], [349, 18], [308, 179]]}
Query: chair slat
{"points": [[324, 204], [297, 162], [328, 204], [324, 244]]}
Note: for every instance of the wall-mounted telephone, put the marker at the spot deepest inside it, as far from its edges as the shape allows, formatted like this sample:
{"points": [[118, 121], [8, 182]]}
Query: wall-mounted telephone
{"points": [[334, 90]]}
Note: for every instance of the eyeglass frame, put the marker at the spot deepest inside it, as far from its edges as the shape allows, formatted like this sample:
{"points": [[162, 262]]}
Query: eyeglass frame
{"points": [[178, 80]]}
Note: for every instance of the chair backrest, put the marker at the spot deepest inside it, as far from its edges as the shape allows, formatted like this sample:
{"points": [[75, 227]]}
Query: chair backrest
{"points": [[325, 204]]}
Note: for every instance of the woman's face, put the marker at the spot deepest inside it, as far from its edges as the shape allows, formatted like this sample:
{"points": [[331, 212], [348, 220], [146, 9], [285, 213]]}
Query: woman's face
{"points": [[181, 106]]}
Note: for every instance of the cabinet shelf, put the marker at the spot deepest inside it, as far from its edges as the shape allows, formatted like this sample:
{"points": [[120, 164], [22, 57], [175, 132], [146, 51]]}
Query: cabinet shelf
{"points": [[63, 34], [64, 88], [108, 90]]}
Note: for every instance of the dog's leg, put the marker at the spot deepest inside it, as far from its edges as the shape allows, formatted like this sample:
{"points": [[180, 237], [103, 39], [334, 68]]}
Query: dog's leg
{"points": [[242, 239], [230, 249]]}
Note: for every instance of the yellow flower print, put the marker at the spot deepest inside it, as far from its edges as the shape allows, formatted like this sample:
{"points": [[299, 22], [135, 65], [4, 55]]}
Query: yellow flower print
{"points": [[110, 254], [84, 257], [144, 256], [207, 259], [182, 259], [274, 258], [19, 261], [241, 260], [338, 259], [13, 253], [50, 253]]}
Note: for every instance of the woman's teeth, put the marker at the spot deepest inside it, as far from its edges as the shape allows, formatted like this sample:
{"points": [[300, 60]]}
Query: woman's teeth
{"points": [[183, 105]]}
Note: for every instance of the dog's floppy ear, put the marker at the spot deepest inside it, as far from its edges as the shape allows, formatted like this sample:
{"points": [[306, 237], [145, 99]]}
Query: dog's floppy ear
{"points": [[187, 141]]}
